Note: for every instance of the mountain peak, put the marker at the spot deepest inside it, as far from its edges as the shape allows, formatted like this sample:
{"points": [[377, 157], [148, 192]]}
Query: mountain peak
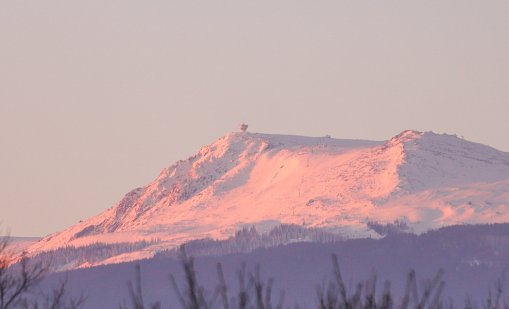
{"points": [[244, 179], [407, 136], [280, 141]]}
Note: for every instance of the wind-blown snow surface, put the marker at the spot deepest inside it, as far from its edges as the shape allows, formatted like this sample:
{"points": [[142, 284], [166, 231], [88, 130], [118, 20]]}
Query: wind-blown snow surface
{"points": [[424, 179]]}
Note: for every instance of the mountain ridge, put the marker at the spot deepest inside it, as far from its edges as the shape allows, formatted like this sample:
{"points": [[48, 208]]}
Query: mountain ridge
{"points": [[424, 179]]}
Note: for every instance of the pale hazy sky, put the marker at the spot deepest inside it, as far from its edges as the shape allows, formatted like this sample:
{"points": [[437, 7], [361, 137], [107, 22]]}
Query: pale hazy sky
{"points": [[96, 97]]}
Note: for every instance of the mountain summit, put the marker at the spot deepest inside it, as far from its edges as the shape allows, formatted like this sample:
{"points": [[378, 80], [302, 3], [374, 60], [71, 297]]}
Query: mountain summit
{"points": [[423, 179]]}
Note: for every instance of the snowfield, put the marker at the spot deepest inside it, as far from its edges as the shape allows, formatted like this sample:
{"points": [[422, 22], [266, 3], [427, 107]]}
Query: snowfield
{"points": [[425, 180]]}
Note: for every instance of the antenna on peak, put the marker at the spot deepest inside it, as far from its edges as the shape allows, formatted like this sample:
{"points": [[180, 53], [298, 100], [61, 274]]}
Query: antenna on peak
{"points": [[243, 127]]}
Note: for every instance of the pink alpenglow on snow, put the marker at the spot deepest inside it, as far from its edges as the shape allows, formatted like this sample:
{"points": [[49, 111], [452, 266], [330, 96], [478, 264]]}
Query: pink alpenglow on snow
{"points": [[243, 179]]}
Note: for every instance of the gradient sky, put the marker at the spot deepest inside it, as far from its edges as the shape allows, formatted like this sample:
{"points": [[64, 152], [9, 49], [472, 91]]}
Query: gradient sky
{"points": [[96, 97]]}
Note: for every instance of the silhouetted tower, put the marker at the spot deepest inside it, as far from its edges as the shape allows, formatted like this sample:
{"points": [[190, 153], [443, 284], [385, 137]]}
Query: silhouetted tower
{"points": [[243, 127]]}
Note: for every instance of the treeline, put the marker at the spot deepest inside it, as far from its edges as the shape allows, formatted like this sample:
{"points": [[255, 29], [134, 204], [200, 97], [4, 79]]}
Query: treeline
{"points": [[249, 239], [72, 257], [484, 242], [488, 243], [244, 240]]}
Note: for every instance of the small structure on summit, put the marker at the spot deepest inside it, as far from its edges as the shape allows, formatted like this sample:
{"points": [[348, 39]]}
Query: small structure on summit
{"points": [[243, 127]]}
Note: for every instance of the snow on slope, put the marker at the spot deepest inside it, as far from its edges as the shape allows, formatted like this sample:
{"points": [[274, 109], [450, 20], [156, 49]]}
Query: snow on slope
{"points": [[242, 179], [17, 245]]}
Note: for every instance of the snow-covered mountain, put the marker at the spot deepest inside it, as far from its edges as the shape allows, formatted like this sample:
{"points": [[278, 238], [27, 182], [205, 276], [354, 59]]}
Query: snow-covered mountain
{"points": [[425, 180]]}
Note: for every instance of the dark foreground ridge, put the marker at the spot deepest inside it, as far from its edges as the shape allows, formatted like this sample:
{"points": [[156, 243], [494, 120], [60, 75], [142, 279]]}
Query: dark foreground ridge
{"points": [[464, 267]]}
